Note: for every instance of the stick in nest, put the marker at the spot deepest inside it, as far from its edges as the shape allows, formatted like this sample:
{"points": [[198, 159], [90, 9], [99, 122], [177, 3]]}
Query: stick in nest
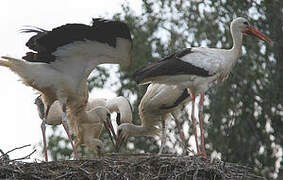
{"points": [[22, 158]]}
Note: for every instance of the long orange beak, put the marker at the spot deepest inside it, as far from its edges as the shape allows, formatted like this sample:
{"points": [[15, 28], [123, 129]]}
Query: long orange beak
{"points": [[120, 141], [110, 131], [253, 31]]}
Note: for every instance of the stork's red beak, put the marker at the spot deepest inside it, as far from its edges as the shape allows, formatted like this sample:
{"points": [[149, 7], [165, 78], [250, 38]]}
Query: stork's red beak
{"points": [[253, 31], [120, 141], [110, 130]]}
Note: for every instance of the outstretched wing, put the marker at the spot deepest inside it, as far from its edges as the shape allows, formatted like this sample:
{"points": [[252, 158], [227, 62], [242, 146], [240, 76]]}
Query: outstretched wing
{"points": [[76, 49], [46, 43]]}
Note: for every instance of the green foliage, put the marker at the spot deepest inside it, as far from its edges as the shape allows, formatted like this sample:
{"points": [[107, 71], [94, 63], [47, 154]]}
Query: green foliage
{"points": [[98, 78], [58, 146], [245, 112]]}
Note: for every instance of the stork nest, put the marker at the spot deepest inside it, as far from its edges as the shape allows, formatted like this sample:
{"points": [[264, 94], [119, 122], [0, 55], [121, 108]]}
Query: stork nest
{"points": [[128, 166]]}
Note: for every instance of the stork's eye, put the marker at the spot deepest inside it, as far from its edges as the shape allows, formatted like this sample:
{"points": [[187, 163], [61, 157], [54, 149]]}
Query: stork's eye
{"points": [[246, 23], [98, 147]]}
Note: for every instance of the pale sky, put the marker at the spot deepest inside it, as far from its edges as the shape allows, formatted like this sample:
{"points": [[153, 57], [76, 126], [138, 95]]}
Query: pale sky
{"points": [[20, 124]]}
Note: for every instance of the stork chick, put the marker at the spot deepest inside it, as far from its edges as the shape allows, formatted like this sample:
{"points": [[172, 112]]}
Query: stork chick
{"points": [[87, 126]]}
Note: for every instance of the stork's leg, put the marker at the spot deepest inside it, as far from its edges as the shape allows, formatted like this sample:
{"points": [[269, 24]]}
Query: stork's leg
{"points": [[43, 130], [194, 123], [200, 123], [65, 125], [163, 136], [182, 135]]}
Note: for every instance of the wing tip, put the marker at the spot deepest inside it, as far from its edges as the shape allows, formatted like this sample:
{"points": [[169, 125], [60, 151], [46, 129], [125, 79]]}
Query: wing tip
{"points": [[39, 57], [136, 77]]}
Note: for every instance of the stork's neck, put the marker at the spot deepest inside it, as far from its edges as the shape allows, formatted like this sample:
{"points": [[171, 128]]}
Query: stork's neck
{"points": [[236, 50], [121, 105], [140, 130]]}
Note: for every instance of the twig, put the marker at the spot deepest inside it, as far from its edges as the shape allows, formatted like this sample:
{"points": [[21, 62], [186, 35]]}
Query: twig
{"points": [[14, 150], [19, 168], [25, 157], [63, 175], [4, 157], [195, 174], [10, 169], [1, 153], [85, 171]]}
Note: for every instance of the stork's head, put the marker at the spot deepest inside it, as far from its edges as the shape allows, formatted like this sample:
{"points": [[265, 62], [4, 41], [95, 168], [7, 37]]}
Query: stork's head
{"points": [[98, 147], [242, 25], [40, 106], [122, 134], [105, 118]]}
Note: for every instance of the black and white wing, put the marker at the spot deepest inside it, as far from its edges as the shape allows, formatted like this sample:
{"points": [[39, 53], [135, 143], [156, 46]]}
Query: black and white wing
{"points": [[47, 42], [76, 49], [175, 64]]}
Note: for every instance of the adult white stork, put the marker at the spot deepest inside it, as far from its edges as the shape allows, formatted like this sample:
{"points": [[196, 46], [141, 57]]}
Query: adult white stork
{"points": [[65, 56], [155, 107], [88, 129], [196, 68]]}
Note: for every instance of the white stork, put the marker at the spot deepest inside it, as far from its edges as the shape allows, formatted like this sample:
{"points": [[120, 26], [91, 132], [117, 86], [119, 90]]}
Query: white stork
{"points": [[87, 128], [196, 68], [65, 56], [155, 107]]}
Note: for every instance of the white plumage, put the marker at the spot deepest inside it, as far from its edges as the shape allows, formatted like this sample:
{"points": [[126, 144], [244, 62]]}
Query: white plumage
{"points": [[118, 104], [155, 107], [88, 126]]}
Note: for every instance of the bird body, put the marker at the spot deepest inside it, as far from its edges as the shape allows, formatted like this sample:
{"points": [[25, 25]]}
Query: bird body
{"points": [[189, 68], [156, 105], [196, 66], [87, 128], [159, 100]]}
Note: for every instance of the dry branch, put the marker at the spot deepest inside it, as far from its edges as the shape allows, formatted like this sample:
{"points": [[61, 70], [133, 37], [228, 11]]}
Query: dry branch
{"points": [[4, 158]]}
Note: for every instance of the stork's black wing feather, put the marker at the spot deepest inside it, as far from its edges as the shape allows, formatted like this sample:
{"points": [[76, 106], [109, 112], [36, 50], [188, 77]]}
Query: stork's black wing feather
{"points": [[46, 42], [171, 65], [178, 101]]}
